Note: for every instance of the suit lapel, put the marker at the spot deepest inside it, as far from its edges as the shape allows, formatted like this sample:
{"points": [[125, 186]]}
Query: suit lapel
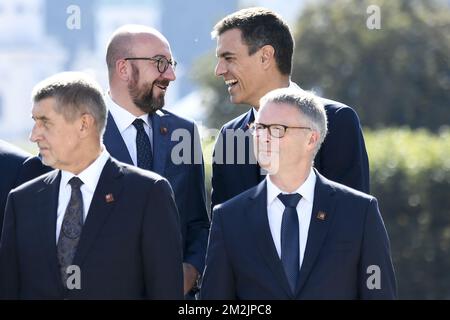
{"points": [[161, 137], [251, 171], [259, 225], [114, 142], [47, 210], [323, 203], [105, 196]]}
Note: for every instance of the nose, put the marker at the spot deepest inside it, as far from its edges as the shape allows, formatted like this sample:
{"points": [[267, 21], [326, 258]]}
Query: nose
{"points": [[263, 135], [35, 135], [220, 68], [169, 74]]}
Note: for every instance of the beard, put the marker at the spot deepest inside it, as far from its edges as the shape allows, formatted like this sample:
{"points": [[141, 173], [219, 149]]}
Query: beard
{"points": [[143, 96]]}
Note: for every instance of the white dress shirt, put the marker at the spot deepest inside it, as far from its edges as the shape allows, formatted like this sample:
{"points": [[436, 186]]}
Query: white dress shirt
{"points": [[124, 121], [304, 208], [90, 177]]}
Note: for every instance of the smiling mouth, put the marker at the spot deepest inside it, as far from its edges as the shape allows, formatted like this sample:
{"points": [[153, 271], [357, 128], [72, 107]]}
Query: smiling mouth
{"points": [[162, 87], [231, 83]]}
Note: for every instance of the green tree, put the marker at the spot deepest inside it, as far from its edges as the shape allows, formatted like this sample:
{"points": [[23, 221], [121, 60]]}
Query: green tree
{"points": [[396, 75]]}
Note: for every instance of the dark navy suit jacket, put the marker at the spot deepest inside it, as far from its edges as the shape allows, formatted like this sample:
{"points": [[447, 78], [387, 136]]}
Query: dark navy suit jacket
{"points": [[187, 180], [16, 167], [130, 247], [341, 158], [342, 245], [11, 160]]}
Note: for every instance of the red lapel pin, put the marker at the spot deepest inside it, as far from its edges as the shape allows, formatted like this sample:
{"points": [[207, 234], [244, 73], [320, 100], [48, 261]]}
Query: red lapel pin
{"points": [[163, 130], [109, 198], [321, 215]]}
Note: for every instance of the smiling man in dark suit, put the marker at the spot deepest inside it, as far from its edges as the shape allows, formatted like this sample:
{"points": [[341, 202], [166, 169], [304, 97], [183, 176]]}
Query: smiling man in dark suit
{"points": [[254, 50], [95, 228], [139, 132], [296, 235]]}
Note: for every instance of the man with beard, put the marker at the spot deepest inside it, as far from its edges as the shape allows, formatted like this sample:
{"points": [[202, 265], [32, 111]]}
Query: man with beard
{"points": [[139, 132]]}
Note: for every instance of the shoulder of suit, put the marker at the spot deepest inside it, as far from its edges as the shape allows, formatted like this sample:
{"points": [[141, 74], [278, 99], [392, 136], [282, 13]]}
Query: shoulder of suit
{"points": [[37, 183], [235, 123], [177, 118], [332, 106], [345, 191], [236, 204], [12, 153], [136, 172]]}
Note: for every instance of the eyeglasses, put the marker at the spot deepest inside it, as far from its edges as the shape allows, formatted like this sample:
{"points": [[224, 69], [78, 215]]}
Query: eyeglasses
{"points": [[162, 63], [275, 130]]}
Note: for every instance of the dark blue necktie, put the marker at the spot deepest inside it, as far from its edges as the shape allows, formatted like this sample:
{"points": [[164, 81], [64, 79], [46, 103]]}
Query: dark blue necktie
{"points": [[290, 248], [143, 146], [71, 226]]}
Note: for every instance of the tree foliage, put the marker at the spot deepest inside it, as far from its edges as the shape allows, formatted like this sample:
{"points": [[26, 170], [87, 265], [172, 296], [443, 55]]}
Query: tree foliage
{"points": [[396, 75]]}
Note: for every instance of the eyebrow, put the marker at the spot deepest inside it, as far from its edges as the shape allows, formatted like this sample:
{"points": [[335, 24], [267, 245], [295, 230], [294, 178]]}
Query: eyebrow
{"points": [[226, 53], [43, 118]]}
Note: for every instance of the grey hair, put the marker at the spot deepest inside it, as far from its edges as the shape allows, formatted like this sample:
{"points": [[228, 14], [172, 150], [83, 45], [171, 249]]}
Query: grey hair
{"points": [[75, 93], [307, 103]]}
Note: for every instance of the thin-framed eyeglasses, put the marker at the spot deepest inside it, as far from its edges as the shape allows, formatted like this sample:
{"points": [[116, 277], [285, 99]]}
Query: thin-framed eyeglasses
{"points": [[275, 130], [162, 63]]}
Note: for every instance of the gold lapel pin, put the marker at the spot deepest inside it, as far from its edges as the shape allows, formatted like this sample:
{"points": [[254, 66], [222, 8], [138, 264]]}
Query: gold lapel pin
{"points": [[321, 215], [163, 130], [109, 198]]}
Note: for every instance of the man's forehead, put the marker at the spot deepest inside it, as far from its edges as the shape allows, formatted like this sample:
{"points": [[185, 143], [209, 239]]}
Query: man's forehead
{"points": [[149, 44], [272, 110], [43, 107], [229, 41]]}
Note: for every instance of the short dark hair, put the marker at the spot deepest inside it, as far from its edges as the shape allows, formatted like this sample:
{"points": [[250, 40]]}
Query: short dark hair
{"points": [[260, 27], [75, 93]]}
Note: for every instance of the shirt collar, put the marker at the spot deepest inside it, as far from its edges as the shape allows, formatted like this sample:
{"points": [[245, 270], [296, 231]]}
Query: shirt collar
{"points": [[255, 113], [293, 85], [306, 190], [122, 117], [91, 174]]}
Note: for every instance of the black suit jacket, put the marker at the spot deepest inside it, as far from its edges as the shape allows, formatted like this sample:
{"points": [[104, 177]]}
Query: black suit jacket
{"points": [[341, 158], [187, 179], [11, 161], [130, 247], [32, 168], [343, 245]]}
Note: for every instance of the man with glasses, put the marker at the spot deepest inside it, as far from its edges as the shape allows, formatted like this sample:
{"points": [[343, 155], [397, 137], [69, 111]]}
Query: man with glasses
{"points": [[140, 132], [296, 235], [254, 51]]}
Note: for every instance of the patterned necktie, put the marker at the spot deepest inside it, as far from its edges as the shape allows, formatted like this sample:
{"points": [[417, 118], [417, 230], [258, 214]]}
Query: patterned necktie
{"points": [[290, 248], [70, 229], [143, 146]]}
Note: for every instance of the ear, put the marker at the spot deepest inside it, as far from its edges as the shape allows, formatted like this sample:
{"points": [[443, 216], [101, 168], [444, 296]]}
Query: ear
{"points": [[123, 70], [87, 124], [267, 56], [313, 140]]}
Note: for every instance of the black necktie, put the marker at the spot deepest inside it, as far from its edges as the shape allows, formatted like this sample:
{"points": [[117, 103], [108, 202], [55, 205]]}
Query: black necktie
{"points": [[70, 229], [290, 248], [143, 146]]}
